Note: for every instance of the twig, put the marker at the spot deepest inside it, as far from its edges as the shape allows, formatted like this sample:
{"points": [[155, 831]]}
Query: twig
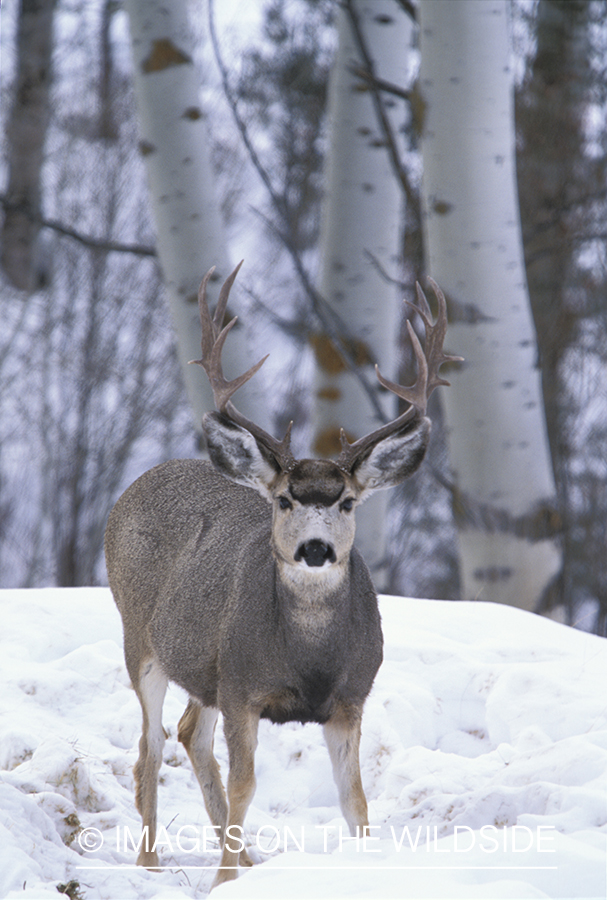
{"points": [[296, 327], [98, 243], [333, 324], [85, 239], [240, 123], [382, 116], [382, 272], [380, 84]]}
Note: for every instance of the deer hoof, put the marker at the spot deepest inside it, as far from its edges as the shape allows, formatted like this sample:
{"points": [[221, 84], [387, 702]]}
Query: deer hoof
{"points": [[245, 860], [149, 860], [224, 875]]}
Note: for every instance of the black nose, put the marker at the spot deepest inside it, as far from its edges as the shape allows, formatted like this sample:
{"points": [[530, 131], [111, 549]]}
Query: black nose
{"points": [[315, 553]]}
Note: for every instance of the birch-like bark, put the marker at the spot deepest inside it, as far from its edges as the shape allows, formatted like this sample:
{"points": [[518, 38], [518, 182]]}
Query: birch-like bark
{"points": [[362, 218], [504, 487], [175, 145]]}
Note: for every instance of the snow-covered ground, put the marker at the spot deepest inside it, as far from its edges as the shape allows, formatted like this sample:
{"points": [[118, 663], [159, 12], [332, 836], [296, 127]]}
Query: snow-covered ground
{"points": [[484, 759]]}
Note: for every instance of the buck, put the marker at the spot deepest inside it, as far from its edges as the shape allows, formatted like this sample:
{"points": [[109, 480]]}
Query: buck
{"points": [[239, 581]]}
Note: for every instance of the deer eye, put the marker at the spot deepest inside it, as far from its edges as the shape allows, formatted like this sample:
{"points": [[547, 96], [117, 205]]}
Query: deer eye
{"points": [[285, 503], [347, 505]]}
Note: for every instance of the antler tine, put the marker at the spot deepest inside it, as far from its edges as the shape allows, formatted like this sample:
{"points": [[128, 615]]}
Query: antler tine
{"points": [[223, 389], [435, 335], [428, 361], [212, 342], [417, 394], [213, 339], [220, 310], [208, 332]]}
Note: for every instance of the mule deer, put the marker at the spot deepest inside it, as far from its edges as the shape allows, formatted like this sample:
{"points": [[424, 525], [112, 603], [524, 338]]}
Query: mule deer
{"points": [[239, 581]]}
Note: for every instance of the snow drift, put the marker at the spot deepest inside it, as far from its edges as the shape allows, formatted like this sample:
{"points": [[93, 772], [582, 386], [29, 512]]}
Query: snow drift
{"points": [[484, 760]]}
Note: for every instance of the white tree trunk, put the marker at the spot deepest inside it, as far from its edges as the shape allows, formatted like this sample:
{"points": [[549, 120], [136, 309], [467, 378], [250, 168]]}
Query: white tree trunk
{"points": [[362, 215], [175, 145], [505, 491]]}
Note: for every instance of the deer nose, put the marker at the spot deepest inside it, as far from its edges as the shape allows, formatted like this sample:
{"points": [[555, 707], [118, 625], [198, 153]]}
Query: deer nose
{"points": [[315, 553]]}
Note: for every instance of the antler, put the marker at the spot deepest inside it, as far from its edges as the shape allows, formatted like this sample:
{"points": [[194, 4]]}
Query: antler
{"points": [[428, 363], [213, 338]]}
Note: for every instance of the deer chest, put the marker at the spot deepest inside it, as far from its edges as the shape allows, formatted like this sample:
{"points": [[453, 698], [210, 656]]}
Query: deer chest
{"points": [[306, 697]]}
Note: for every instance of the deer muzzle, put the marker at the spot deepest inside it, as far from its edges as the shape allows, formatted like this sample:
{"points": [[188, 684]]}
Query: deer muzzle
{"points": [[315, 553]]}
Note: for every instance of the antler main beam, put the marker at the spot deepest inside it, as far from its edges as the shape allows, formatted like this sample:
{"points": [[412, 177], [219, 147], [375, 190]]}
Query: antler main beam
{"points": [[429, 360], [214, 335]]}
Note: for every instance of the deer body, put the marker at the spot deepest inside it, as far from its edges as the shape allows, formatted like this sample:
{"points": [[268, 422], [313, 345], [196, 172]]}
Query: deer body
{"points": [[239, 581], [209, 599]]}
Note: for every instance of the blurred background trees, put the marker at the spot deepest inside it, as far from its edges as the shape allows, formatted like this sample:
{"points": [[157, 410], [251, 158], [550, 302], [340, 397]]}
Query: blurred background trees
{"points": [[503, 487], [562, 176], [91, 389]]}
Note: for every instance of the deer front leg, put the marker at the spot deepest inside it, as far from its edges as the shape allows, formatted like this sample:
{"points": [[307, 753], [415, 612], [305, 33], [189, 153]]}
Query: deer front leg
{"points": [[342, 736], [196, 730], [240, 729], [151, 691]]}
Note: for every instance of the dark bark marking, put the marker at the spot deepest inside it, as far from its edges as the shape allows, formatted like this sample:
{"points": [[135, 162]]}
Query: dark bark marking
{"points": [[542, 522], [331, 360], [327, 442], [163, 55], [492, 574]]}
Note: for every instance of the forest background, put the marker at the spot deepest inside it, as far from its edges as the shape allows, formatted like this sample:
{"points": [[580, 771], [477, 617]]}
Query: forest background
{"points": [[92, 393]]}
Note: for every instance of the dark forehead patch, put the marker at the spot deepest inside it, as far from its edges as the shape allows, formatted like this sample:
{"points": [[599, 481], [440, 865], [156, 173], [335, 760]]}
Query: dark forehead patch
{"points": [[317, 481]]}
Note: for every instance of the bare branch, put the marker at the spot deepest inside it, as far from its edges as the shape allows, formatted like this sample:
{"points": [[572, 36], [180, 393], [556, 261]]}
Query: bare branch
{"points": [[380, 111], [382, 272], [386, 87], [332, 323], [240, 123], [87, 240]]}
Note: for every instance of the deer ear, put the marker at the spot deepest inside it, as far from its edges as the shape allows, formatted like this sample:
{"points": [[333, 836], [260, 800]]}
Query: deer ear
{"points": [[393, 459], [236, 454]]}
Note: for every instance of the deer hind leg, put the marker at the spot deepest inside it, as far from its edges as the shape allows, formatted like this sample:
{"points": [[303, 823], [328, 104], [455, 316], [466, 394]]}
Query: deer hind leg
{"points": [[151, 690], [240, 730], [342, 736]]}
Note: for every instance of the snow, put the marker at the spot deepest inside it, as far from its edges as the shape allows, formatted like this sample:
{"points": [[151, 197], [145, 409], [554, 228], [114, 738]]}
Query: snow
{"points": [[484, 759]]}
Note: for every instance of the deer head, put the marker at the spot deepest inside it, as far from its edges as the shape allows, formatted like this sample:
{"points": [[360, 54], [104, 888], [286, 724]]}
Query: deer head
{"points": [[314, 500]]}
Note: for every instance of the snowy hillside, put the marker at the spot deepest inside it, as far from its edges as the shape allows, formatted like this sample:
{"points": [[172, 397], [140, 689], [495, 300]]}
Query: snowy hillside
{"points": [[484, 759]]}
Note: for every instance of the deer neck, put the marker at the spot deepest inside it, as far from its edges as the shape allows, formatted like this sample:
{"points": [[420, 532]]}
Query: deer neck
{"points": [[312, 601]]}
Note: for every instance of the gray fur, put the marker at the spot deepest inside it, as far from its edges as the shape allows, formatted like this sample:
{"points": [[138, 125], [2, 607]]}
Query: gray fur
{"points": [[216, 595]]}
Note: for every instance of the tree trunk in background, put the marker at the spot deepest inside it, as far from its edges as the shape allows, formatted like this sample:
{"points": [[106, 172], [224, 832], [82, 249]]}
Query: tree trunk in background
{"points": [[557, 186], [175, 145], [504, 495], [26, 133], [362, 216], [551, 110]]}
